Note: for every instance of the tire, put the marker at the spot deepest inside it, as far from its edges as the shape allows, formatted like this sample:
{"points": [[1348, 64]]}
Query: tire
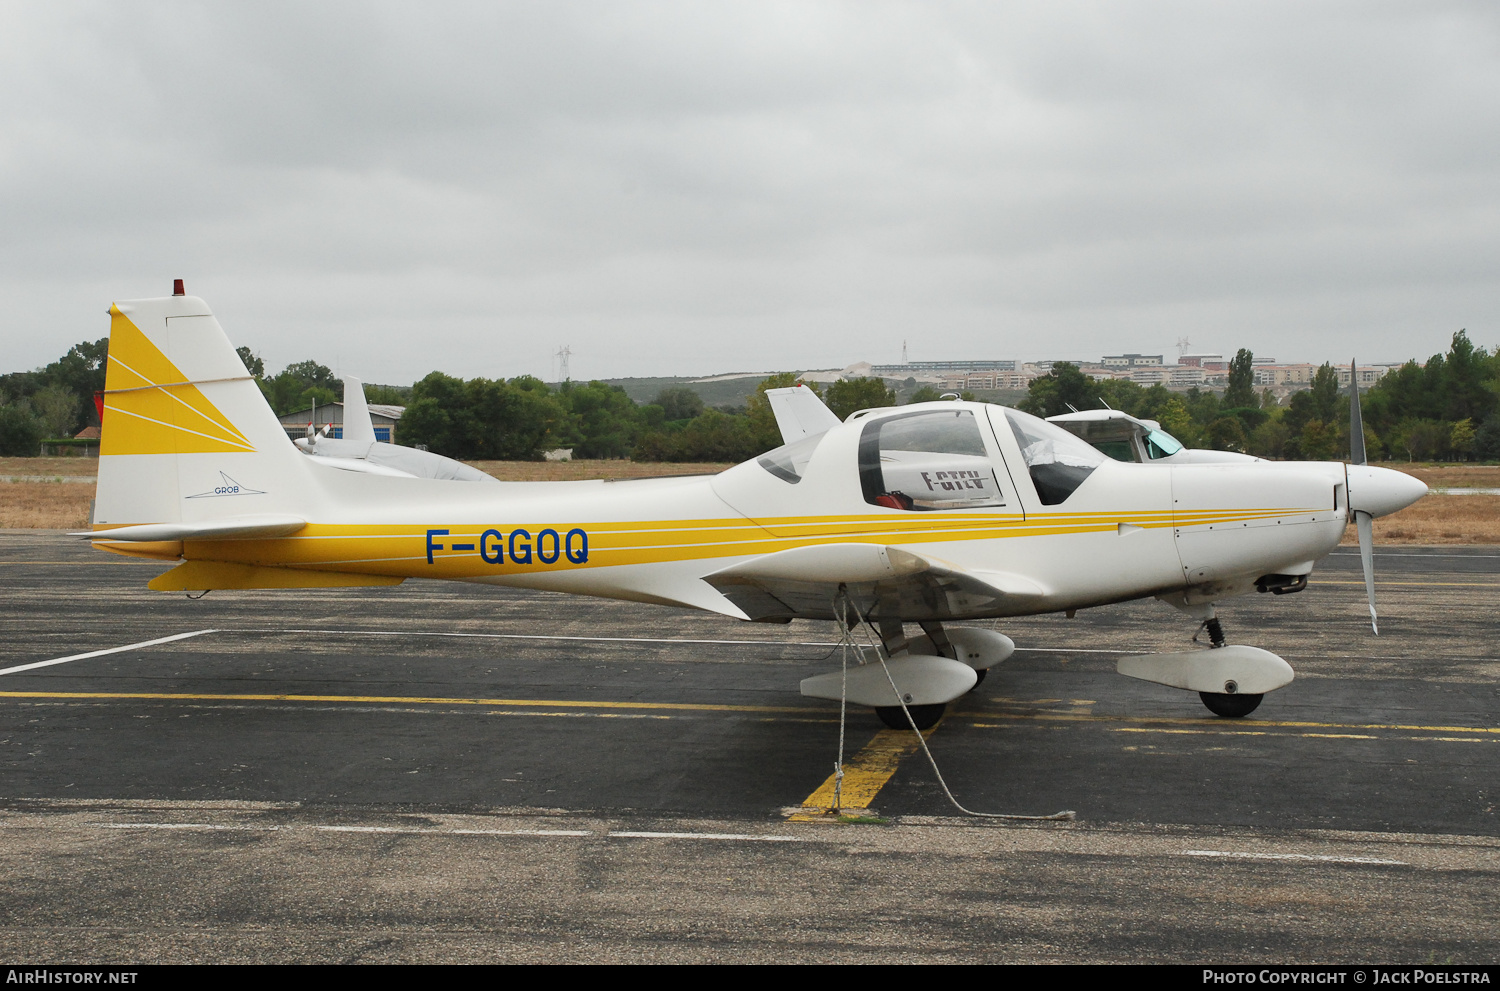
{"points": [[980, 679], [1230, 706], [925, 716]]}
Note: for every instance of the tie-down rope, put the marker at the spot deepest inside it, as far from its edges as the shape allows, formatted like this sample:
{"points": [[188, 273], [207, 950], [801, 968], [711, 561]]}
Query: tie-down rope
{"points": [[847, 641]]}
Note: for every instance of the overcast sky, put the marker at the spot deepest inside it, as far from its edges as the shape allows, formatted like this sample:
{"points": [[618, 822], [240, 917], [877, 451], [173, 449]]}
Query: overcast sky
{"points": [[704, 187]]}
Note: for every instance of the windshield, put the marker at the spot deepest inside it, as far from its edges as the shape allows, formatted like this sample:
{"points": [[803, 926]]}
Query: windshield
{"points": [[1161, 445], [1058, 461]]}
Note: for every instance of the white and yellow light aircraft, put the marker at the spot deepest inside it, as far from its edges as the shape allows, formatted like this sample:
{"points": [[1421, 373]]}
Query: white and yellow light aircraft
{"points": [[924, 514]]}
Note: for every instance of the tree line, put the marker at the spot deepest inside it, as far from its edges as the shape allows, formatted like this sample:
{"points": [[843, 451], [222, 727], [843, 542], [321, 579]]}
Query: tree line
{"points": [[1447, 409]]}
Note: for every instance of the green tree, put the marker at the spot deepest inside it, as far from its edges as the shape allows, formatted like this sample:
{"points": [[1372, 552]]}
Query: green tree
{"points": [[1318, 441], [56, 410], [1320, 403], [1269, 439], [1063, 388], [605, 419], [387, 395], [251, 361], [848, 396], [1227, 434], [20, 434], [924, 394], [679, 403], [714, 436], [1176, 420], [1241, 391], [295, 388], [1461, 438], [1487, 439]]}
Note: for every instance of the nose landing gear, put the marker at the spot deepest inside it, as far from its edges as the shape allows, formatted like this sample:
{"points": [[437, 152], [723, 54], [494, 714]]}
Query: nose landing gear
{"points": [[1230, 706]]}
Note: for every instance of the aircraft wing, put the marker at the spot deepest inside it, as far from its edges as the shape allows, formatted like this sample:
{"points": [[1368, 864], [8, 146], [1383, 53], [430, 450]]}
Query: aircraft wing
{"points": [[804, 582]]}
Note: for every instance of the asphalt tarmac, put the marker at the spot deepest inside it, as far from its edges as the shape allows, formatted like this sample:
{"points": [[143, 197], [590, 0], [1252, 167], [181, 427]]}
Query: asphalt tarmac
{"points": [[445, 772]]}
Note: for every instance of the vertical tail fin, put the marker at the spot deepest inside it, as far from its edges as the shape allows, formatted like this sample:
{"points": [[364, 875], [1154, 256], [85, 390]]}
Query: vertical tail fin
{"points": [[357, 425], [186, 434]]}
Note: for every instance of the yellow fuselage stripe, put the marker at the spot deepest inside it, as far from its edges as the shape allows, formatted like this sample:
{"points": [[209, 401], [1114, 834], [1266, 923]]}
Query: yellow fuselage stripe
{"points": [[402, 549]]}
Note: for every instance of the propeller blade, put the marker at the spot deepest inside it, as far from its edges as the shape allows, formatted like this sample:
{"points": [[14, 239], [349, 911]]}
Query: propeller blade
{"points": [[1356, 422], [1364, 522]]}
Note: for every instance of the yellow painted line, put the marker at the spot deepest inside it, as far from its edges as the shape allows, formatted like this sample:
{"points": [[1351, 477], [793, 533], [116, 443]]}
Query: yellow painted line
{"points": [[401, 700], [1192, 732], [1258, 724], [864, 774]]}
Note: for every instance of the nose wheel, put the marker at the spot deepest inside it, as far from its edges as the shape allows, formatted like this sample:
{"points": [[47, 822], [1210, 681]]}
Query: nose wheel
{"points": [[1225, 704], [1229, 706]]}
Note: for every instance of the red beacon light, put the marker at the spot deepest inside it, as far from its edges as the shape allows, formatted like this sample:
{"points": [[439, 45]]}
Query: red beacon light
{"points": [[177, 289]]}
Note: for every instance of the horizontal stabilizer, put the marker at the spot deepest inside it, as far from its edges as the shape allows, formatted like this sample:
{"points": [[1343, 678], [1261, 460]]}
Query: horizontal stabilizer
{"points": [[195, 576], [228, 528]]}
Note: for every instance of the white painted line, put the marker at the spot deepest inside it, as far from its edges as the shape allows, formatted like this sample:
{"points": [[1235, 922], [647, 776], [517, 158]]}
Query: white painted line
{"points": [[529, 636], [522, 832], [101, 653], [183, 825], [634, 834], [1240, 855], [413, 831], [368, 829], [1076, 650], [1400, 554], [537, 636]]}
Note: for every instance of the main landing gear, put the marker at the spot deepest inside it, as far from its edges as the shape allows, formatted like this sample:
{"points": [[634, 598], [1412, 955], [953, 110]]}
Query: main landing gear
{"points": [[925, 716], [893, 638], [929, 671]]}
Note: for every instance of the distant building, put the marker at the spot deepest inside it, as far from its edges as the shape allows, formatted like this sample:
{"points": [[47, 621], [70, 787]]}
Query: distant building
{"points": [[1213, 361], [959, 381], [1368, 374], [1270, 376], [1131, 360], [913, 368], [382, 417]]}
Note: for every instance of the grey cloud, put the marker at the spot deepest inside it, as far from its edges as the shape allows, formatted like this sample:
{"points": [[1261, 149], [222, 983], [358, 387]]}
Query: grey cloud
{"points": [[678, 188]]}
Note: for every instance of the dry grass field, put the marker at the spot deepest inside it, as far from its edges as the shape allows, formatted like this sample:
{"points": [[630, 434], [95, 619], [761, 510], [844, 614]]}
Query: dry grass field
{"points": [[45, 505], [1438, 519], [48, 466]]}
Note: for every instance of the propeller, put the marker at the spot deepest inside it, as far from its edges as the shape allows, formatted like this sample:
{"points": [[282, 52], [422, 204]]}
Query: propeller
{"points": [[1363, 521]]}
